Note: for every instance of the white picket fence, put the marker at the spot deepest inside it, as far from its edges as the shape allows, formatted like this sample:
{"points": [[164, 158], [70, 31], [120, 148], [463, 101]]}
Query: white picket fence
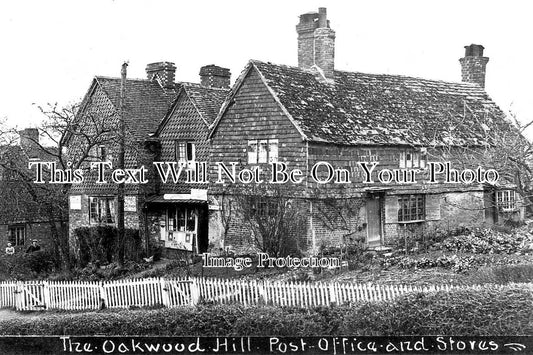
{"points": [[82, 295]]}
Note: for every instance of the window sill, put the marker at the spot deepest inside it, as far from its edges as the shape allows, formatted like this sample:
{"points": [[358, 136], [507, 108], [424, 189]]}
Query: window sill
{"points": [[411, 222]]}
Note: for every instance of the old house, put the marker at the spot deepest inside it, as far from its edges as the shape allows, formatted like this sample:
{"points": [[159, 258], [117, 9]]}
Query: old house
{"points": [[26, 207], [165, 122], [317, 116], [181, 210], [94, 138]]}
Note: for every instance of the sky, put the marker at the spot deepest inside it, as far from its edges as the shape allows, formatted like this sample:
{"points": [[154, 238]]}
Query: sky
{"points": [[51, 50]]}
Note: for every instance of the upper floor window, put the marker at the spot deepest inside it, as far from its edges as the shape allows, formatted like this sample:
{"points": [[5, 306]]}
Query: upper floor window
{"points": [[184, 151], [412, 159], [17, 235], [102, 209], [262, 151], [412, 208], [506, 200], [102, 153]]}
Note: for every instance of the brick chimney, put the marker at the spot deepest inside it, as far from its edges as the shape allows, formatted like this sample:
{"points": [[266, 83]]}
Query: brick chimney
{"points": [[316, 42], [473, 65], [215, 76], [163, 72], [29, 141]]}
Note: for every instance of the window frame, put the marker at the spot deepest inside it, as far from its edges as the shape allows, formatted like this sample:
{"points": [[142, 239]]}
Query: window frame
{"points": [[410, 159], [14, 239], [256, 154], [109, 218], [189, 149], [405, 211], [506, 200]]}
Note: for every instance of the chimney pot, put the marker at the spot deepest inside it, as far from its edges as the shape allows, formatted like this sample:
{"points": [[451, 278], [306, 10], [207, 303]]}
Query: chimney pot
{"points": [[322, 17], [215, 76], [163, 72]]}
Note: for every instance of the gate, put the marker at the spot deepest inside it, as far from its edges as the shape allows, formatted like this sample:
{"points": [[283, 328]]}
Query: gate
{"points": [[30, 296]]}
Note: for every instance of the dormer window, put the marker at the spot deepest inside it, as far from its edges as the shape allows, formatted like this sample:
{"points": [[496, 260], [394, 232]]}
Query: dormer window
{"points": [[262, 151]]}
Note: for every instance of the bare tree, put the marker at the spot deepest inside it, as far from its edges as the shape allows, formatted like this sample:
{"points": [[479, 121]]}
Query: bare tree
{"points": [[61, 127]]}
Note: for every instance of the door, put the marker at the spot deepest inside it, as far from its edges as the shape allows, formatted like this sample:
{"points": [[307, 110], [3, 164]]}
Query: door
{"points": [[373, 220]]}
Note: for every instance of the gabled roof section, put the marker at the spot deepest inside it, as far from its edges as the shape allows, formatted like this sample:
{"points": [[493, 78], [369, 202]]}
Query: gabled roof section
{"points": [[146, 103], [206, 100], [376, 109]]}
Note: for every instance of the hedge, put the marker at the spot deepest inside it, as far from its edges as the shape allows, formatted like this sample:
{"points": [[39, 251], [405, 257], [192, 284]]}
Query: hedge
{"points": [[487, 311]]}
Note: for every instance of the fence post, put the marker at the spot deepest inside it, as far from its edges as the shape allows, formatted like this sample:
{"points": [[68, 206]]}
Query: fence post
{"points": [[332, 296], [46, 295], [103, 296], [164, 292], [19, 296], [195, 292]]}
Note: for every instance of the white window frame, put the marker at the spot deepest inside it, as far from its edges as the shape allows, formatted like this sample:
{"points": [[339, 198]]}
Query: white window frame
{"points": [[413, 159], [506, 200], [189, 147], [102, 218], [262, 151]]}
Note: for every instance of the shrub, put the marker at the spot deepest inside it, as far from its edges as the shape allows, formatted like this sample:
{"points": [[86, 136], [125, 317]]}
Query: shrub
{"points": [[98, 244], [486, 241], [503, 274], [22, 266]]}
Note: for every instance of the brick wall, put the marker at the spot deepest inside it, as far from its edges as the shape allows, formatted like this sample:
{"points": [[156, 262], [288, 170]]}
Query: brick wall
{"points": [[37, 230]]}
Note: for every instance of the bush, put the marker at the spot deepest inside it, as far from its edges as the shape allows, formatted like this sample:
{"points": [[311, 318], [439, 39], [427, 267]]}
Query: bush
{"points": [[22, 266], [486, 241], [461, 263], [485, 311], [503, 274], [98, 244]]}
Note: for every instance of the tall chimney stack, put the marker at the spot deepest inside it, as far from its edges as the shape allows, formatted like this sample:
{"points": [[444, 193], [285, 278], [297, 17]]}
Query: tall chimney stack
{"points": [[163, 72], [215, 77], [316, 42], [29, 141], [473, 65]]}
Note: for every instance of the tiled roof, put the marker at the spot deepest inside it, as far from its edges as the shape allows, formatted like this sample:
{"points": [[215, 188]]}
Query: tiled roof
{"points": [[363, 108], [206, 99], [146, 103]]}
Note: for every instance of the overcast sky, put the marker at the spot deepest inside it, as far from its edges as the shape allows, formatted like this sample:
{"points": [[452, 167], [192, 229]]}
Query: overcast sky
{"points": [[51, 50]]}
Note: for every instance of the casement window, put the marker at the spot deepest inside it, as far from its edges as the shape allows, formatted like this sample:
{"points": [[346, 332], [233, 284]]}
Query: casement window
{"points": [[102, 210], [102, 153], [181, 219], [263, 206], [411, 208], [411, 159], [184, 151], [17, 234], [506, 200], [262, 151]]}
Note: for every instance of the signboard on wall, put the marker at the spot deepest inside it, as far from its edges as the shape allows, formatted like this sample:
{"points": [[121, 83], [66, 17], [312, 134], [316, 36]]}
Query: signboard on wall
{"points": [[75, 202], [130, 203]]}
